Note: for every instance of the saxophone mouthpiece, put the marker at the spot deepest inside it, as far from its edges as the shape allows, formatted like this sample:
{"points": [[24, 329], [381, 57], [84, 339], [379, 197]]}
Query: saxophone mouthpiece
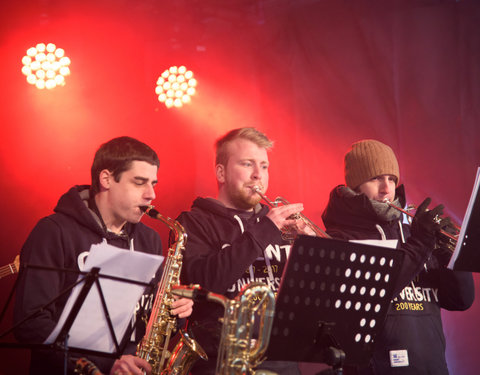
{"points": [[145, 209], [150, 211]]}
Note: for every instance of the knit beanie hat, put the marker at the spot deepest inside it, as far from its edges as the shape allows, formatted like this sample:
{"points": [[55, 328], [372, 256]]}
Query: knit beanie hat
{"points": [[367, 159]]}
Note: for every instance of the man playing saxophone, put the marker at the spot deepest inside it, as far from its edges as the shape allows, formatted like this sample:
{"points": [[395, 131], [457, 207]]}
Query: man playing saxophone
{"points": [[411, 340], [124, 174], [233, 239]]}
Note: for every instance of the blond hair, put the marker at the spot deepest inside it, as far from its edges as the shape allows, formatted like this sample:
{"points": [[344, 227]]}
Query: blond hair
{"points": [[250, 134]]}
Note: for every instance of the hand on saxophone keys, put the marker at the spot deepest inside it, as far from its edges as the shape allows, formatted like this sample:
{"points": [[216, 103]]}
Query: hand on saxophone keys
{"points": [[182, 307], [130, 364]]}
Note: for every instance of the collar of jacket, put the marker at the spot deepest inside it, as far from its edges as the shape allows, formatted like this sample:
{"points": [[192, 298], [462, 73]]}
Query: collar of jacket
{"points": [[354, 210]]}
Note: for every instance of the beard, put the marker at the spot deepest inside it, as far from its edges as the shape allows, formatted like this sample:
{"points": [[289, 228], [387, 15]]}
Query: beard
{"points": [[243, 198]]}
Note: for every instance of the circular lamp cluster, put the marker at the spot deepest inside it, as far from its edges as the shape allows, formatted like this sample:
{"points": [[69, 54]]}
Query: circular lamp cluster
{"points": [[46, 66], [175, 86]]}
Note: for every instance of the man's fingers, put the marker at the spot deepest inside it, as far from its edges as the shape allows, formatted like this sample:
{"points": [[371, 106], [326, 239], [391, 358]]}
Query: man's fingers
{"points": [[182, 307], [142, 364], [182, 302], [423, 206], [438, 210], [129, 364], [288, 223], [280, 215], [288, 210], [293, 208]]}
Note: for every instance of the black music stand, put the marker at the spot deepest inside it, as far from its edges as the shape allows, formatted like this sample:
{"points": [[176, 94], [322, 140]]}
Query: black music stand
{"points": [[332, 301], [61, 343], [466, 256]]}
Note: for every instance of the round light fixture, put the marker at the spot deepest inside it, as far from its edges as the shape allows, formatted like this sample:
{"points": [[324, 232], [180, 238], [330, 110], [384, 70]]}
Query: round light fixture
{"points": [[175, 86], [46, 66]]}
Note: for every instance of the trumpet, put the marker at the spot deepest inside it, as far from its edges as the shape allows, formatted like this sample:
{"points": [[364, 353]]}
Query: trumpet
{"points": [[449, 239], [319, 232]]}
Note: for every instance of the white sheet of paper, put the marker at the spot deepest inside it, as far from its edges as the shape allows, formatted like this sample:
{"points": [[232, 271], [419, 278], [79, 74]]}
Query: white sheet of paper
{"points": [[90, 329], [391, 244], [466, 219]]}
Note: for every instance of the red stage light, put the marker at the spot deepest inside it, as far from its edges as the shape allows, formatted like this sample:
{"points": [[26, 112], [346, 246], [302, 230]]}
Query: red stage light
{"points": [[175, 86], [46, 66]]}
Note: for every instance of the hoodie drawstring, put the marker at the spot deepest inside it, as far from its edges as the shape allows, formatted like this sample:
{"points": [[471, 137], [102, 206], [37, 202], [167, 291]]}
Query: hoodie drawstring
{"points": [[242, 229], [401, 231], [381, 231]]}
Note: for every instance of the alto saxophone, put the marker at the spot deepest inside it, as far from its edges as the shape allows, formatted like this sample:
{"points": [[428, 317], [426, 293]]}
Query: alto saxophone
{"points": [[240, 352], [154, 346]]}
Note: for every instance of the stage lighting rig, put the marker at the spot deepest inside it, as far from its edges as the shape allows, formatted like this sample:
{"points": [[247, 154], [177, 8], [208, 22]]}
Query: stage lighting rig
{"points": [[175, 86], [46, 66]]}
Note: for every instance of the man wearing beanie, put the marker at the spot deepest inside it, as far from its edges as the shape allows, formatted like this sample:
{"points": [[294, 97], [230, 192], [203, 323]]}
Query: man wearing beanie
{"points": [[411, 340]]}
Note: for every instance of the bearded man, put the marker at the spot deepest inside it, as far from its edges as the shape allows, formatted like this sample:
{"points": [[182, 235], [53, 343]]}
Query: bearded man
{"points": [[234, 239]]}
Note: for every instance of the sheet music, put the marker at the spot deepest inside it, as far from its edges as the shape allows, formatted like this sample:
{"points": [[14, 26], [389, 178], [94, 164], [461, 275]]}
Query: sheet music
{"points": [[466, 219], [90, 329], [391, 244]]}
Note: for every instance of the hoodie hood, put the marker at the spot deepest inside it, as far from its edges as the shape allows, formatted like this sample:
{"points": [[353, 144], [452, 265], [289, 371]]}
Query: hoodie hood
{"points": [[75, 204]]}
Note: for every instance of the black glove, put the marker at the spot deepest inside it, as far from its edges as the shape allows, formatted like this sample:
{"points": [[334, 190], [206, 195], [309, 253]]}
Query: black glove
{"points": [[427, 222]]}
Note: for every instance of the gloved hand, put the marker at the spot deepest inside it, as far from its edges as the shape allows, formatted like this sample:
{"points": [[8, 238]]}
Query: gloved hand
{"points": [[427, 222]]}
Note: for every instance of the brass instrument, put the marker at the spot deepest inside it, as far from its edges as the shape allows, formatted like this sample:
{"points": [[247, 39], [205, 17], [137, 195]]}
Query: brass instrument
{"points": [[237, 355], [154, 346], [448, 239], [319, 232], [84, 366]]}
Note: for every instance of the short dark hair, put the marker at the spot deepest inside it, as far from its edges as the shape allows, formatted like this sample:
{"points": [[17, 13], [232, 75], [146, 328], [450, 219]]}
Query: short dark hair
{"points": [[250, 134], [117, 155]]}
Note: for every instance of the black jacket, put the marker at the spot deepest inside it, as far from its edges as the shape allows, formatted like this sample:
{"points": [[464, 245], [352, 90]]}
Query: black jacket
{"points": [[62, 240], [413, 324], [224, 249]]}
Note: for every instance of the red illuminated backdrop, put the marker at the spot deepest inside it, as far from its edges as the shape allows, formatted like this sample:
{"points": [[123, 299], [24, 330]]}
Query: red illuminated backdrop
{"points": [[314, 75]]}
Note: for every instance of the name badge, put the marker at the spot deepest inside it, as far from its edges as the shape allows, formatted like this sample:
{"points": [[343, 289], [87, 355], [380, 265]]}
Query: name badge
{"points": [[399, 358]]}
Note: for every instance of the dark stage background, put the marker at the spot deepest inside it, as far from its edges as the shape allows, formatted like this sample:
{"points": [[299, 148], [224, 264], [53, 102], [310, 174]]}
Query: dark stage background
{"points": [[314, 75]]}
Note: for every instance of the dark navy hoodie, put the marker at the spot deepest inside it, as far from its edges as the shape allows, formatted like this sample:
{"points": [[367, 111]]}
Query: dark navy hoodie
{"points": [[413, 330], [226, 249], [62, 240]]}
